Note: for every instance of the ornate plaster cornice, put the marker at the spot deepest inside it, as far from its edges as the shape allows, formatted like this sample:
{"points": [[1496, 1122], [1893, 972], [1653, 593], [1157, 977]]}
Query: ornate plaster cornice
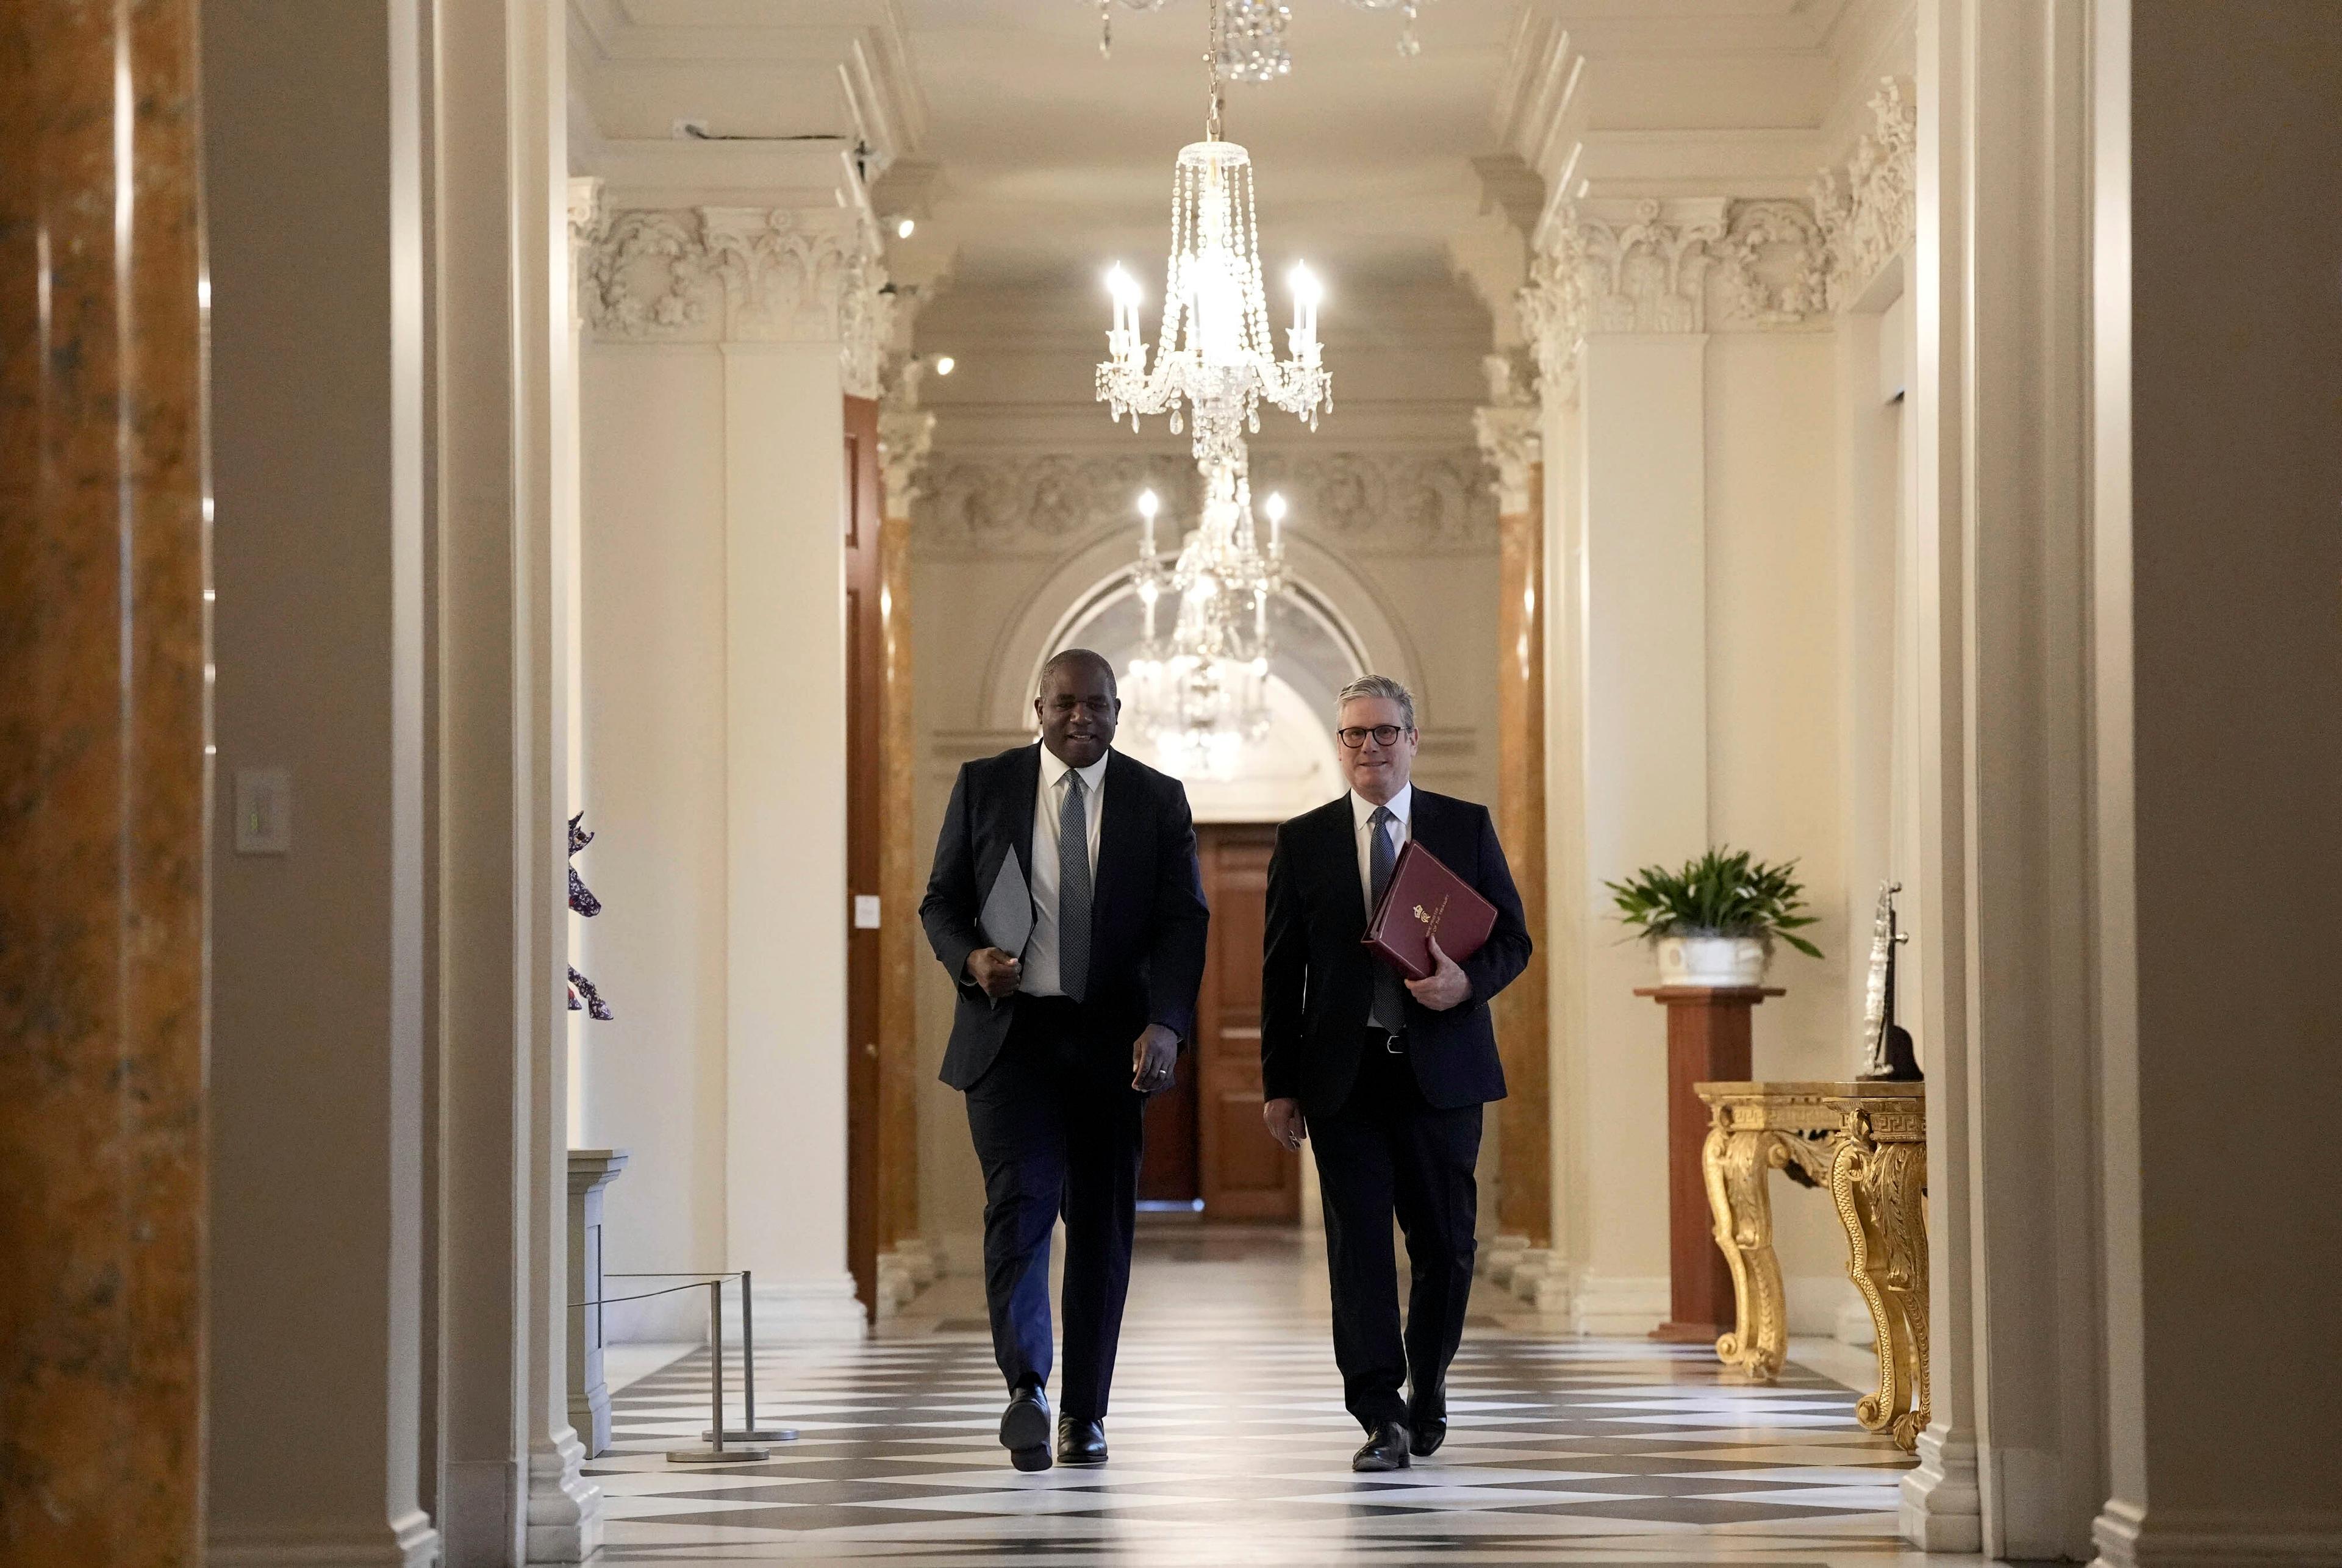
{"points": [[1668, 265], [1510, 430], [1045, 504], [741, 274], [906, 433], [1867, 210]]}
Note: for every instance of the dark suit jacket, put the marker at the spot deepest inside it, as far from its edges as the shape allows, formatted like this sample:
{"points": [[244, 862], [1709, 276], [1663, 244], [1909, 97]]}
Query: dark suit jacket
{"points": [[1147, 914], [1316, 976]]}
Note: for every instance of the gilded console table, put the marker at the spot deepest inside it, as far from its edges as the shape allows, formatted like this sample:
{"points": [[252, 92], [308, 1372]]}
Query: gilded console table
{"points": [[1865, 1143], [1878, 1179]]}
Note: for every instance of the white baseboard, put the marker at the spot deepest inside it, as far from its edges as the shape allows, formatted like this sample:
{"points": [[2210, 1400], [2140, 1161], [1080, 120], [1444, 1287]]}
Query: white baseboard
{"points": [[1854, 1326], [2131, 1536], [1942, 1505], [1825, 1304], [1540, 1278], [1618, 1304], [565, 1508], [809, 1311], [477, 1523], [678, 1317], [406, 1543]]}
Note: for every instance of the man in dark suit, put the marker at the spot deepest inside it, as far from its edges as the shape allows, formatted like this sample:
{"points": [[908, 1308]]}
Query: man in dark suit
{"points": [[1385, 1077], [1106, 848]]}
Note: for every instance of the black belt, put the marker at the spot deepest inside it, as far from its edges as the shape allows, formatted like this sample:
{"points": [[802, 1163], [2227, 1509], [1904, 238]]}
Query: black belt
{"points": [[1394, 1044]]}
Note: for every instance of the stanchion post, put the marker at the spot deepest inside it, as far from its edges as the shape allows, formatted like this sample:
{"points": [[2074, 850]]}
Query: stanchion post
{"points": [[750, 1431], [716, 1453]]}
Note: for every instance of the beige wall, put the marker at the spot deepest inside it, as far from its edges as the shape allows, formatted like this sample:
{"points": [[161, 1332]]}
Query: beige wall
{"points": [[2219, 516], [653, 598], [317, 1309]]}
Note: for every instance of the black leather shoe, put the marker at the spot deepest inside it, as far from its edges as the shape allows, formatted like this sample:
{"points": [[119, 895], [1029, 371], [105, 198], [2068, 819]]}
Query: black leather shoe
{"points": [[1080, 1442], [1385, 1449], [1025, 1430], [1427, 1425]]}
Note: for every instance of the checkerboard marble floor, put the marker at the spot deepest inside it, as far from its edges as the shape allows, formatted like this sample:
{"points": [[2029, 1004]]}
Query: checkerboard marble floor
{"points": [[1230, 1445]]}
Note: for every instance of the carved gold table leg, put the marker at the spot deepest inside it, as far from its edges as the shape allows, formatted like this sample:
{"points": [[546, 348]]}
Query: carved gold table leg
{"points": [[1878, 1182], [1735, 1160]]}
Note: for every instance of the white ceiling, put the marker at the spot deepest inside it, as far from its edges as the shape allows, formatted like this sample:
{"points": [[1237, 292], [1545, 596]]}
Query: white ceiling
{"points": [[1055, 161], [1033, 162]]}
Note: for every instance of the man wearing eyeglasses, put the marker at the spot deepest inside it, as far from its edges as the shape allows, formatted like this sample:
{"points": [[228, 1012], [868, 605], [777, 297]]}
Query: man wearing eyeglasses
{"points": [[1067, 905], [1384, 1076]]}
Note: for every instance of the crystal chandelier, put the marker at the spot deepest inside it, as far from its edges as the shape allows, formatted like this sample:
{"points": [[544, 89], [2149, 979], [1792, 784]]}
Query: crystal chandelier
{"points": [[1215, 356], [1253, 41], [1202, 696]]}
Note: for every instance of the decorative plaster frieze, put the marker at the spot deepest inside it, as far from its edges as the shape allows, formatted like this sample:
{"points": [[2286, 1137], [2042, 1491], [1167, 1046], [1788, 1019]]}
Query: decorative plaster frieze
{"points": [[741, 274], [865, 324], [905, 432], [1771, 270], [1044, 503], [1677, 264], [1647, 271], [585, 222], [1868, 210], [1510, 430]]}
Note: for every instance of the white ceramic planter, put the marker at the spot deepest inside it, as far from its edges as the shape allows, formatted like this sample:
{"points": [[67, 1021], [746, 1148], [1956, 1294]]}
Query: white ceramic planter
{"points": [[1719, 961]]}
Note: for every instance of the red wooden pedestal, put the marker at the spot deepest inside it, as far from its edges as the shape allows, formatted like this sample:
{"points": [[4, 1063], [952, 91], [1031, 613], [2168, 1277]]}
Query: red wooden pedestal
{"points": [[1708, 1041]]}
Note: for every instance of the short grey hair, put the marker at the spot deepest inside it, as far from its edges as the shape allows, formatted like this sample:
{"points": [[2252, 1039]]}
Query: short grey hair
{"points": [[1377, 686]]}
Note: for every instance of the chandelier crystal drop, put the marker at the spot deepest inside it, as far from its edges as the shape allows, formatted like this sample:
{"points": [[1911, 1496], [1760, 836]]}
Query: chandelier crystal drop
{"points": [[1203, 694], [1252, 43], [1215, 359]]}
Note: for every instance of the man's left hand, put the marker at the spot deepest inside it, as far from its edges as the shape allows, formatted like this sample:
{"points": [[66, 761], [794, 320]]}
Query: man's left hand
{"points": [[1445, 986], [1152, 1060]]}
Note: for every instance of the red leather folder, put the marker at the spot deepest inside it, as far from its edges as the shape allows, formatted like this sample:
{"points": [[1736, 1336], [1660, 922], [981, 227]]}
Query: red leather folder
{"points": [[1424, 898]]}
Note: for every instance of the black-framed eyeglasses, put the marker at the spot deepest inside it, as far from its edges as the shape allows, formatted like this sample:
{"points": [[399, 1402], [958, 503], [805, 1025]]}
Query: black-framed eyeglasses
{"points": [[1385, 735]]}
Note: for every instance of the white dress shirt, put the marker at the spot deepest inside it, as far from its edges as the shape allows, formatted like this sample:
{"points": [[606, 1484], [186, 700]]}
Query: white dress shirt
{"points": [[1040, 977], [1362, 810]]}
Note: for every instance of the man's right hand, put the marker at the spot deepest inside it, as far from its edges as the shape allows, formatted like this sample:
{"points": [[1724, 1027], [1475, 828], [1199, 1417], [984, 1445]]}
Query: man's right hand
{"points": [[996, 973], [1285, 1122]]}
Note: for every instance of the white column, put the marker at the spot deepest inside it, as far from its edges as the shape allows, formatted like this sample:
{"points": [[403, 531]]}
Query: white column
{"points": [[720, 342], [1942, 1507], [2003, 288], [1642, 672], [784, 762], [317, 1310]]}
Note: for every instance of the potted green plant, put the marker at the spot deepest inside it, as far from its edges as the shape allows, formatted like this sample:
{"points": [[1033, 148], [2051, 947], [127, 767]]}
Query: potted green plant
{"points": [[1714, 921]]}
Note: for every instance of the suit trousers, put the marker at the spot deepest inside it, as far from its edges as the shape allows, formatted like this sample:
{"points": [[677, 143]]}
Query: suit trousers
{"points": [[1057, 1129], [1385, 1152]]}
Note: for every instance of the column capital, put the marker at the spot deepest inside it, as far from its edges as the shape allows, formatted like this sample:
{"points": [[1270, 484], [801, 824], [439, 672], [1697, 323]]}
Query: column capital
{"points": [[1667, 264], [1510, 430], [905, 432], [1868, 207], [741, 274]]}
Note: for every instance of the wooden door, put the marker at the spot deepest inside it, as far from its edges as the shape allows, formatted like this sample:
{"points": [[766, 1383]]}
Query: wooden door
{"points": [[864, 778], [1244, 1176]]}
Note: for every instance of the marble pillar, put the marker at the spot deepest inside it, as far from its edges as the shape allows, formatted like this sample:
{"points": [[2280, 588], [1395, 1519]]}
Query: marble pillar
{"points": [[1510, 436], [905, 431], [103, 786]]}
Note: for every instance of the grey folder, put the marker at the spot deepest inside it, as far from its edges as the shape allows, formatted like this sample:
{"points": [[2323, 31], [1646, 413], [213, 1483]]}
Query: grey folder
{"points": [[1007, 918]]}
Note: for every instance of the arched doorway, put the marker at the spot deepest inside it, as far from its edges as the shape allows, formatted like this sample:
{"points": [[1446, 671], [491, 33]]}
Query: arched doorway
{"points": [[1204, 1150]]}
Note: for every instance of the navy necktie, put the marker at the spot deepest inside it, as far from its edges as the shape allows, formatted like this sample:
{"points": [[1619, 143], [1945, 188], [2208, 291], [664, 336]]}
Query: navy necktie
{"points": [[1073, 891], [1389, 1008]]}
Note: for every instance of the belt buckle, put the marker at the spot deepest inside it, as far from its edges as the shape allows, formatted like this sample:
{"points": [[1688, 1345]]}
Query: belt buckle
{"points": [[1392, 1042]]}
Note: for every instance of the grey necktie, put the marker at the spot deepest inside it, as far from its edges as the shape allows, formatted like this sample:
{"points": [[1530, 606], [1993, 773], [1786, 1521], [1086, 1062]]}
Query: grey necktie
{"points": [[1389, 1008], [1073, 891]]}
